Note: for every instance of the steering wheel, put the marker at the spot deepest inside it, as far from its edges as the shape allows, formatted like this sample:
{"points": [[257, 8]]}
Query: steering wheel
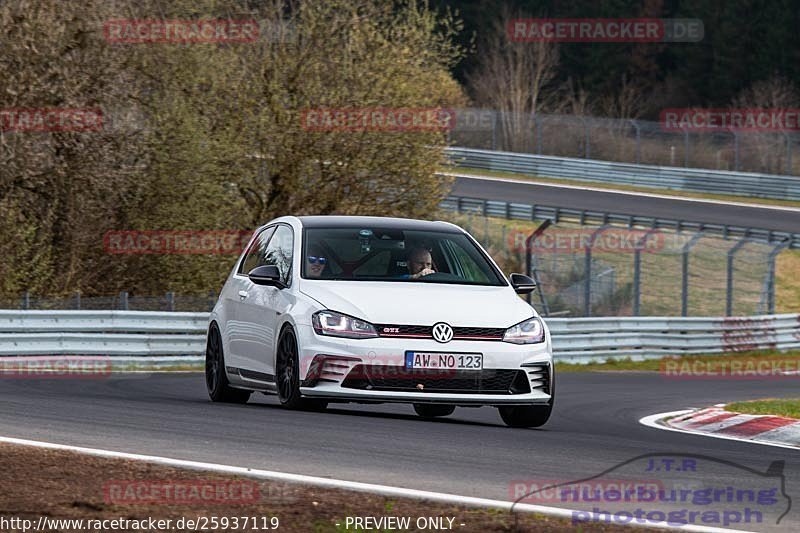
{"points": [[440, 276]]}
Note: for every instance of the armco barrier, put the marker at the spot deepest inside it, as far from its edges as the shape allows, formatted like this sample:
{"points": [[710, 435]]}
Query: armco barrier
{"points": [[682, 179], [511, 210], [127, 335]]}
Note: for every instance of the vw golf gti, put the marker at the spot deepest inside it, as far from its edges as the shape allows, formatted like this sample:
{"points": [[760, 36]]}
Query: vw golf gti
{"points": [[322, 309]]}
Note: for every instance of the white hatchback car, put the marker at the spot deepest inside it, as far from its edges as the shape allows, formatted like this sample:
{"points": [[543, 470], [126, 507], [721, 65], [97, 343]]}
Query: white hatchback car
{"points": [[323, 309]]}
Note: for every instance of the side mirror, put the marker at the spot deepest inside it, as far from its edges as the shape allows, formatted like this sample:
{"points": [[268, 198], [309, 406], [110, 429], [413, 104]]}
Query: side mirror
{"points": [[266, 275], [522, 284]]}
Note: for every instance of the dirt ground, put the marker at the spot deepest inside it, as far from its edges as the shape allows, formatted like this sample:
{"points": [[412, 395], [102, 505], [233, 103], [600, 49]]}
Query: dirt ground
{"points": [[41, 486]]}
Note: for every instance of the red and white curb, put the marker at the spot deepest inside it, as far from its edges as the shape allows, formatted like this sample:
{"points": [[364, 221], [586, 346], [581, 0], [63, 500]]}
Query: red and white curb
{"points": [[717, 422]]}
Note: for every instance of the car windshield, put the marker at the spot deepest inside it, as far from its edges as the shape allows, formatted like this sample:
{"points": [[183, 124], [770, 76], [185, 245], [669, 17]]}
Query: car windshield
{"points": [[387, 254]]}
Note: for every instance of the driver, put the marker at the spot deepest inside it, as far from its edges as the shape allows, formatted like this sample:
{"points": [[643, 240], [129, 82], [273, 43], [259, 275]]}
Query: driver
{"points": [[420, 263]]}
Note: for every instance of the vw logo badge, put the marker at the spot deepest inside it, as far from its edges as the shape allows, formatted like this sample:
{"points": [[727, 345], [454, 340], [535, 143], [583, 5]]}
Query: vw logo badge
{"points": [[442, 332]]}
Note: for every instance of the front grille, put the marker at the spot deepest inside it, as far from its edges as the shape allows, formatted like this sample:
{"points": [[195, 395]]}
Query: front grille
{"points": [[392, 330], [397, 378], [459, 332]]}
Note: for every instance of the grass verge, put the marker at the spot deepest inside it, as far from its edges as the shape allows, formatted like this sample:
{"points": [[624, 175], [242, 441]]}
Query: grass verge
{"points": [[789, 407], [655, 365]]}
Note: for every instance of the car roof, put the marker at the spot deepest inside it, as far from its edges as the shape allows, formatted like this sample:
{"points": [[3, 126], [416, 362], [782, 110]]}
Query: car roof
{"points": [[337, 221]]}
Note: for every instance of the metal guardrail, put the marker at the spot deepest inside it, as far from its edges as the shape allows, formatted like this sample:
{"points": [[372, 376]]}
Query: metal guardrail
{"points": [[511, 210], [584, 339], [683, 179], [122, 334]]}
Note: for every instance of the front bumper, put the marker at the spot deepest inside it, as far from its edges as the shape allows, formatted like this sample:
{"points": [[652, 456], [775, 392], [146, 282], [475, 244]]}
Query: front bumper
{"points": [[373, 370]]}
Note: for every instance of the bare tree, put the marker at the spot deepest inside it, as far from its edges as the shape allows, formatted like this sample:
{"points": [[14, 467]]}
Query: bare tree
{"points": [[767, 150], [512, 78]]}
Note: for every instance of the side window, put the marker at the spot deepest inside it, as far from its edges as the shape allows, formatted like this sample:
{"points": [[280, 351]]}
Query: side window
{"points": [[256, 252], [279, 252], [471, 270]]}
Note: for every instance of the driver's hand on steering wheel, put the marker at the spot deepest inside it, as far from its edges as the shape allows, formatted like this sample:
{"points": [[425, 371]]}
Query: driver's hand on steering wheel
{"points": [[423, 272]]}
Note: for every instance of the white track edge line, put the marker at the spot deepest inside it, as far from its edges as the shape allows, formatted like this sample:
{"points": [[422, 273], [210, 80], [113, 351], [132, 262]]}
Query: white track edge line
{"points": [[385, 490], [653, 421], [532, 181]]}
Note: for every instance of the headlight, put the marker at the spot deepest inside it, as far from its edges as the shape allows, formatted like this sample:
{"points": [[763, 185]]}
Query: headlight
{"points": [[338, 325], [530, 331]]}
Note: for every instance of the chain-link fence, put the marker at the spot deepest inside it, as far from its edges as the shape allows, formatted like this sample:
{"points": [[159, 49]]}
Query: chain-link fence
{"points": [[580, 271], [627, 141], [124, 301], [617, 271]]}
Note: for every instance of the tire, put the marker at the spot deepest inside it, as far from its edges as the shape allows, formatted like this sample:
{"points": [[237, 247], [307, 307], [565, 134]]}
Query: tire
{"points": [[525, 416], [530, 416], [287, 375], [217, 385], [426, 410]]}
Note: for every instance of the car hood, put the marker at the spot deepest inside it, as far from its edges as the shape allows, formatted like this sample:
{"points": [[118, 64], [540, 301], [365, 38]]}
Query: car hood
{"points": [[421, 303]]}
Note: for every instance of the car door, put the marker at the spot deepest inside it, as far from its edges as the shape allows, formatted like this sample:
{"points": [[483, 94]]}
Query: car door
{"points": [[235, 298], [263, 306]]}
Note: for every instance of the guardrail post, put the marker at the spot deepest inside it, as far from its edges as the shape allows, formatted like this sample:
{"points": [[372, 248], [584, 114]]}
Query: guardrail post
{"points": [[123, 300], [686, 147], [729, 276], [587, 268], [212, 300], [170, 301], [788, 153], [494, 130], [529, 260], [587, 283], [638, 141], [637, 272], [77, 299], [771, 275], [26, 300], [538, 122], [586, 149], [735, 150], [685, 272]]}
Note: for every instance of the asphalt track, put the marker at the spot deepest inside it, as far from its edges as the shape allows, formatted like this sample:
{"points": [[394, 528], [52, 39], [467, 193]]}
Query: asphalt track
{"points": [[628, 204], [594, 427]]}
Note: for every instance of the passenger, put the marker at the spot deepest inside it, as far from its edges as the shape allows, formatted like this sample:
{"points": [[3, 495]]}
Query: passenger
{"points": [[316, 264], [420, 263]]}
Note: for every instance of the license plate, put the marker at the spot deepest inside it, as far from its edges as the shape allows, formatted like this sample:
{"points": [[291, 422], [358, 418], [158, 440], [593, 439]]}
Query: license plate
{"points": [[450, 361]]}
